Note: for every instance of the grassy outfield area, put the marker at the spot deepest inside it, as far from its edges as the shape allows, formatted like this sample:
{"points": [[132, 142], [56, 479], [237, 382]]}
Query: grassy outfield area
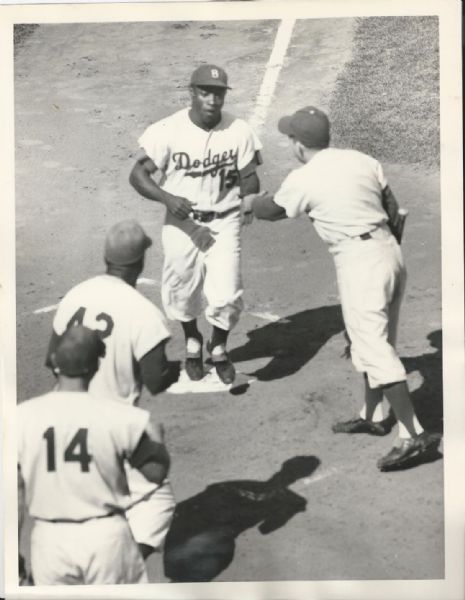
{"points": [[386, 101]]}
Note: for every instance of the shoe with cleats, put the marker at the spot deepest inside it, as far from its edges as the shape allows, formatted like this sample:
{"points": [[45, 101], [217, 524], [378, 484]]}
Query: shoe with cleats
{"points": [[194, 359], [409, 449], [222, 363]]}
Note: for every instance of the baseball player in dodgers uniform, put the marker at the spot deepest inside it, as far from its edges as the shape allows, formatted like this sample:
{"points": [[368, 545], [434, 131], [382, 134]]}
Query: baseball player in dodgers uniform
{"points": [[207, 159], [346, 196], [135, 334], [71, 447]]}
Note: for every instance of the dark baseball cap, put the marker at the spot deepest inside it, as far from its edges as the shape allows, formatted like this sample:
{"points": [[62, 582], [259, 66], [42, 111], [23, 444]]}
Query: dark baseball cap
{"points": [[210, 75], [309, 125], [126, 243], [78, 351]]}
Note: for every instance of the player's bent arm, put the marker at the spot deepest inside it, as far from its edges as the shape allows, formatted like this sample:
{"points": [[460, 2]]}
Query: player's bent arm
{"points": [[248, 180], [391, 206], [156, 372], [151, 458], [265, 208], [141, 180]]}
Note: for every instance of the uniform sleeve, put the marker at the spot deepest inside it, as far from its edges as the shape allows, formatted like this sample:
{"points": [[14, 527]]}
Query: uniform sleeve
{"points": [[155, 142], [63, 314], [249, 145], [150, 329], [292, 197], [380, 175], [129, 423]]}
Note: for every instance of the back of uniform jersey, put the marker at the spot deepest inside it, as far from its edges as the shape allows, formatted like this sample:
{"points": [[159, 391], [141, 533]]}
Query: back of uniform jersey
{"points": [[71, 447]]}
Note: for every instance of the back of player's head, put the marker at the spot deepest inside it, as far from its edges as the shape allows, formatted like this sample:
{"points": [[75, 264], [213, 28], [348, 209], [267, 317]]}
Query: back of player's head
{"points": [[78, 352], [309, 125], [126, 243]]}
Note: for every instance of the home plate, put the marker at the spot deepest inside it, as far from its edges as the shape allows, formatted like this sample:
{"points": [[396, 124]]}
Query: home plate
{"points": [[210, 383]]}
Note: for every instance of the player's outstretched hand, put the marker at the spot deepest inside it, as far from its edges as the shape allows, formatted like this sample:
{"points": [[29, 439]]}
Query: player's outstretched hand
{"points": [[178, 206], [247, 206]]}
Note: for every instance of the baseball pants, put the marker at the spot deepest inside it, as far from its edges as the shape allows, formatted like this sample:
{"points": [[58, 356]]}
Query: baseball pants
{"points": [[203, 257], [371, 279], [98, 551], [150, 510]]}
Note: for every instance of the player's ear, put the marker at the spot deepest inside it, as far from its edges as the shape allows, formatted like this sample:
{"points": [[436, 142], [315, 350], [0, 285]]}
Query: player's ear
{"points": [[53, 362]]}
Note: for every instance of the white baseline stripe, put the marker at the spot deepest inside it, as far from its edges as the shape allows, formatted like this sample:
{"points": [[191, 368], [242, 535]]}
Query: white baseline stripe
{"points": [[272, 71], [46, 309]]}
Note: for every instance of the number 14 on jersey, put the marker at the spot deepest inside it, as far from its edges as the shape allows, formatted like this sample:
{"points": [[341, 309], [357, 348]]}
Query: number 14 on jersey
{"points": [[76, 451]]}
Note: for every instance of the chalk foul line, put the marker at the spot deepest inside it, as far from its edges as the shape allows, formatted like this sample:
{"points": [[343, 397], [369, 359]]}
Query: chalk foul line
{"points": [[272, 70]]}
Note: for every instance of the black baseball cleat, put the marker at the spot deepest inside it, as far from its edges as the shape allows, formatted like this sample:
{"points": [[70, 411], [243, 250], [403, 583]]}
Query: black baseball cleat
{"points": [[360, 425], [410, 448], [222, 363], [194, 364]]}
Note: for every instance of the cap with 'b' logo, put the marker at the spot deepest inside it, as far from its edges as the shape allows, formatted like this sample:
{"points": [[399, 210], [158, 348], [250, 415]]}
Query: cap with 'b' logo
{"points": [[210, 75]]}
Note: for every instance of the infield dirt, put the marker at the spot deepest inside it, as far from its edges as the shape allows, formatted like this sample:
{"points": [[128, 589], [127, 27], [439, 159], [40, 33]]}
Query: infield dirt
{"points": [[83, 94]]}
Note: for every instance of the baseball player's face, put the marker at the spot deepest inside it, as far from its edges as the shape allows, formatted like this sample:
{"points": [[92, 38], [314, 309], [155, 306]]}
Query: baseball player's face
{"points": [[207, 103]]}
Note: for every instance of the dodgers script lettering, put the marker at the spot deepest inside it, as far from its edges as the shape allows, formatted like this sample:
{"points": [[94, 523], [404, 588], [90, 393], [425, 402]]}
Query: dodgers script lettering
{"points": [[210, 165]]}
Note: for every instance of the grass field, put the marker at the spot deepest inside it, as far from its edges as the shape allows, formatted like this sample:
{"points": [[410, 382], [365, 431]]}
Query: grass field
{"points": [[386, 102]]}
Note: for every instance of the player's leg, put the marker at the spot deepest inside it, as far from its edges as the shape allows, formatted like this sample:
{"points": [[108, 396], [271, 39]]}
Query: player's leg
{"points": [[355, 279], [371, 284], [194, 350], [182, 283], [113, 555], [55, 556], [182, 274], [223, 290]]}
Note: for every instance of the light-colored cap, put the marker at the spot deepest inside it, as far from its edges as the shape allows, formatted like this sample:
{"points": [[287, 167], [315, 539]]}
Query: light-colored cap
{"points": [[126, 243]]}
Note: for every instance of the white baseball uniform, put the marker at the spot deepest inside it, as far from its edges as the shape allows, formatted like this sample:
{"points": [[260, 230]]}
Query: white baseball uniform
{"points": [[71, 448], [131, 326], [202, 166], [341, 191]]}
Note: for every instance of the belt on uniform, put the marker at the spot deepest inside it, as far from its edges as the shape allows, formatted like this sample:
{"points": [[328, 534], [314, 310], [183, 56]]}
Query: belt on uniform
{"points": [[205, 216], [111, 514]]}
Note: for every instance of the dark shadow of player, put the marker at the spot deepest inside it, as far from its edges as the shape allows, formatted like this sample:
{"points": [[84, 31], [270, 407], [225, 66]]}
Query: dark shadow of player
{"points": [[427, 399], [201, 541], [290, 342]]}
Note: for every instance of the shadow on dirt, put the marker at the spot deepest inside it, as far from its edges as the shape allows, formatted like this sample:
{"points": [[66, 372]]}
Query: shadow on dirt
{"points": [[201, 541], [291, 342], [427, 399]]}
